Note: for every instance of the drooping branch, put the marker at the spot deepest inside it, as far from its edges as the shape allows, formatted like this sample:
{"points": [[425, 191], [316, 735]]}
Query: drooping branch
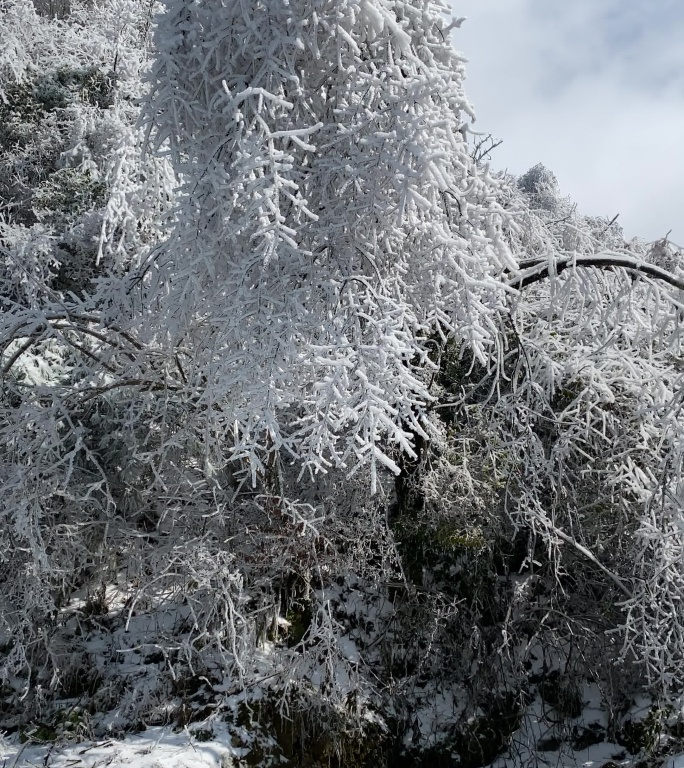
{"points": [[34, 330], [536, 270]]}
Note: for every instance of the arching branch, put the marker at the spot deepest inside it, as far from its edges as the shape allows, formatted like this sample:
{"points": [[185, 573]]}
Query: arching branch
{"points": [[536, 270]]}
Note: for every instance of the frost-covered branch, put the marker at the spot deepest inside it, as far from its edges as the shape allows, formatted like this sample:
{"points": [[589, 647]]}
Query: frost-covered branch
{"points": [[535, 270]]}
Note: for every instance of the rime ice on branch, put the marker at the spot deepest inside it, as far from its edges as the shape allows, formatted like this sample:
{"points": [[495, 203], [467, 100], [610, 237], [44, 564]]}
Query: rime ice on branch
{"points": [[332, 219]]}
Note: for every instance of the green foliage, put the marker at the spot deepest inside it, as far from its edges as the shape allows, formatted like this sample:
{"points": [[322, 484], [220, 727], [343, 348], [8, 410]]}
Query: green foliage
{"points": [[69, 190], [39, 733], [72, 724], [19, 111], [306, 738], [643, 735], [33, 99], [452, 537], [37, 119], [39, 93], [88, 84], [464, 564]]}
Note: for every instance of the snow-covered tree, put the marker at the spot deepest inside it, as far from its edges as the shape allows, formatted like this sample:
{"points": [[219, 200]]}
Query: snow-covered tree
{"points": [[331, 222], [294, 388]]}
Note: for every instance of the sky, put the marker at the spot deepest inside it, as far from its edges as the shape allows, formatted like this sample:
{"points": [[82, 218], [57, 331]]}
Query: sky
{"points": [[594, 90]]}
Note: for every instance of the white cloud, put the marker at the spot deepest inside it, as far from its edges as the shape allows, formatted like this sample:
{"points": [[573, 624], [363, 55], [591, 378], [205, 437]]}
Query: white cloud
{"points": [[594, 89]]}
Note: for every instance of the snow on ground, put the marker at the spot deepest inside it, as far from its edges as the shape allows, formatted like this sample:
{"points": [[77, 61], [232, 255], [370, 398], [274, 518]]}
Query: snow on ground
{"points": [[595, 756], [155, 748], [162, 748]]}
